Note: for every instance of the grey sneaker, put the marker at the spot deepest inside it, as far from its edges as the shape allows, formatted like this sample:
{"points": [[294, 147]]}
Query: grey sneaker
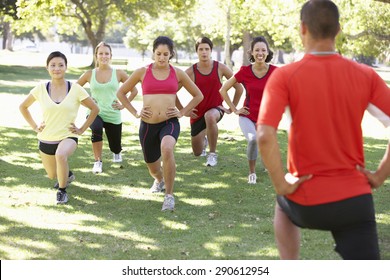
{"points": [[117, 157], [71, 178], [169, 203], [158, 187], [62, 197], [212, 159]]}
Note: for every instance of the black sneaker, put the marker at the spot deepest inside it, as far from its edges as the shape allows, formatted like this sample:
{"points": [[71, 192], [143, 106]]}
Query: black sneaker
{"points": [[71, 178], [62, 197]]}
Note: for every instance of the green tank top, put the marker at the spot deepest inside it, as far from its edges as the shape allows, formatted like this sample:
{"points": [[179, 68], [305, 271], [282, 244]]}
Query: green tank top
{"points": [[105, 95]]}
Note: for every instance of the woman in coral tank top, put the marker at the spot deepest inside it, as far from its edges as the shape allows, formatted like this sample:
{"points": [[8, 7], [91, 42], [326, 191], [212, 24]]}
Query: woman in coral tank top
{"points": [[160, 127]]}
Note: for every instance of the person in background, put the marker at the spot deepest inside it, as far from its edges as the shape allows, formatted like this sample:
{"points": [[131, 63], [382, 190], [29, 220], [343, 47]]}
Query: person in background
{"points": [[254, 78], [327, 186], [104, 82], [57, 134], [160, 127], [207, 75]]}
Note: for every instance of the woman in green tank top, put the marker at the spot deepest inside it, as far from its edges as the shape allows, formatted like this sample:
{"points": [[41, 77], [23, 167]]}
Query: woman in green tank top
{"points": [[104, 82]]}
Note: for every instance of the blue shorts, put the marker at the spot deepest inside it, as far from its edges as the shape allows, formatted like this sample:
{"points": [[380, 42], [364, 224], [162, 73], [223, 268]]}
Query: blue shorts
{"points": [[198, 126], [151, 135], [351, 222], [51, 148]]}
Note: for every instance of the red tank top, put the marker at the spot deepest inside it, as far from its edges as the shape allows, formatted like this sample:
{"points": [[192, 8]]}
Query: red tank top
{"points": [[209, 85], [150, 85]]}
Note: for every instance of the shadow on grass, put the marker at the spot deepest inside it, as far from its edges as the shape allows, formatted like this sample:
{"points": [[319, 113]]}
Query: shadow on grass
{"points": [[114, 216]]}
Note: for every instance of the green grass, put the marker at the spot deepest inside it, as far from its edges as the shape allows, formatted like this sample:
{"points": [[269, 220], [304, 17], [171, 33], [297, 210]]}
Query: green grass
{"points": [[114, 216]]}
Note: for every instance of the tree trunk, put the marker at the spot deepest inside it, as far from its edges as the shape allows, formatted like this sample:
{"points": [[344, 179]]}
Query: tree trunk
{"points": [[280, 57], [7, 36], [86, 21], [246, 42], [228, 60]]}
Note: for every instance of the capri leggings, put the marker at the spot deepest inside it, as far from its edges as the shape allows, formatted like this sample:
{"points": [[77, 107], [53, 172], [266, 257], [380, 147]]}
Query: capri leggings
{"points": [[351, 222], [151, 135], [248, 128], [113, 133]]}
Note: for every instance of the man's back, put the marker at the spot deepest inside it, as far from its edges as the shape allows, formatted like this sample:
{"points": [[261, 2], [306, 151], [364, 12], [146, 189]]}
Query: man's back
{"points": [[327, 96]]}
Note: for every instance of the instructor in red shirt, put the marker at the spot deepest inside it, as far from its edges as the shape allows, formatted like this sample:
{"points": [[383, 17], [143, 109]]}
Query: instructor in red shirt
{"points": [[327, 187]]}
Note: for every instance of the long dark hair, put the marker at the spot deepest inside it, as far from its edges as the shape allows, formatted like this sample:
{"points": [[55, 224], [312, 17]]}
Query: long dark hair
{"points": [[164, 40], [253, 43]]}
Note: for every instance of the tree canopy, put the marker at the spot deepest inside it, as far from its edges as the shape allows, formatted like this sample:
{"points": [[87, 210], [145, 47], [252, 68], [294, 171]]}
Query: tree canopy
{"points": [[229, 23]]}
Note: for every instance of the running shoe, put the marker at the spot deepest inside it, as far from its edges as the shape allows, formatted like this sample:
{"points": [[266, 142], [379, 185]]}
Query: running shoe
{"points": [[169, 203], [62, 196], [117, 157], [212, 159], [252, 178], [158, 187], [97, 167]]}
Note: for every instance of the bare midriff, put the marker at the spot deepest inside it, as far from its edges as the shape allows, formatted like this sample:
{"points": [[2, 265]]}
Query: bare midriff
{"points": [[159, 104]]}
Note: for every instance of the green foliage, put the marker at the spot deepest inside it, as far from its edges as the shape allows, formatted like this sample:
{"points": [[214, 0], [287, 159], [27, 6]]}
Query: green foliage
{"points": [[365, 28], [365, 24]]}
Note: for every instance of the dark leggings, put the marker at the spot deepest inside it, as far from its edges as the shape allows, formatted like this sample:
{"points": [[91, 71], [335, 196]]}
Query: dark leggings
{"points": [[351, 222], [113, 133]]}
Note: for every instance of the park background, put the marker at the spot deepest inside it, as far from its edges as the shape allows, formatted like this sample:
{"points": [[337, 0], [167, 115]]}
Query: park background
{"points": [[113, 215]]}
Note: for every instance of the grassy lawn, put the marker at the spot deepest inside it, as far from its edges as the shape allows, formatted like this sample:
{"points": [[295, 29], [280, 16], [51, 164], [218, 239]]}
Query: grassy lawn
{"points": [[114, 216]]}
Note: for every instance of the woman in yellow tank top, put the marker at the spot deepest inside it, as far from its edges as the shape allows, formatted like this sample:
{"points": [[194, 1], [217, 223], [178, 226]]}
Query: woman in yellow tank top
{"points": [[57, 134]]}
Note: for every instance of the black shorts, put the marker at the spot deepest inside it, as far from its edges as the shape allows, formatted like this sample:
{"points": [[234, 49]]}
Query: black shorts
{"points": [[150, 136], [50, 149], [198, 126], [351, 222]]}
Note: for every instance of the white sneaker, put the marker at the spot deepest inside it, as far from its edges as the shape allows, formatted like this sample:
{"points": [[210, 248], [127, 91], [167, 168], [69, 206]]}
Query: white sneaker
{"points": [[212, 159], [205, 144], [169, 203], [97, 167], [117, 157], [252, 178]]}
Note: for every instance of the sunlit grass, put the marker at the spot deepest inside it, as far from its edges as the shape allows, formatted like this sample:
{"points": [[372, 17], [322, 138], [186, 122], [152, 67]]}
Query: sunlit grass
{"points": [[113, 215]]}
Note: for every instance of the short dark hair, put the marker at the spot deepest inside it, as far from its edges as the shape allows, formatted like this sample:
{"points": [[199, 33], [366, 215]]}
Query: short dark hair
{"points": [[321, 18], [56, 54], [164, 40], [253, 43], [203, 40]]}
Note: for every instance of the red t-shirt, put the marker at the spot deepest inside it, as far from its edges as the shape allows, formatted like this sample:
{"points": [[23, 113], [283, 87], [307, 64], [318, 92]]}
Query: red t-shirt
{"points": [[209, 85], [327, 97], [254, 87]]}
